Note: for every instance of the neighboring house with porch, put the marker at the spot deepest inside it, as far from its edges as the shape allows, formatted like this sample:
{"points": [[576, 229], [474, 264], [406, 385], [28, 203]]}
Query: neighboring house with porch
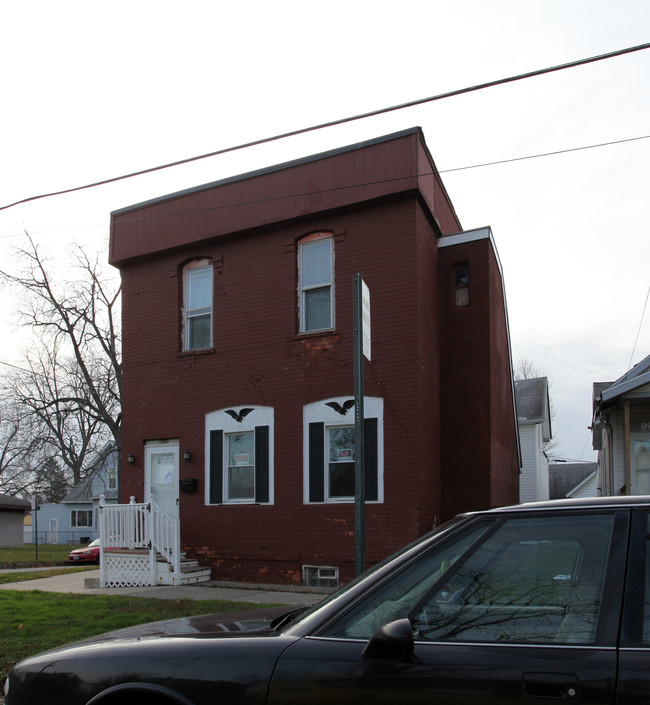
{"points": [[238, 394], [74, 520], [534, 420], [12, 518], [621, 432]]}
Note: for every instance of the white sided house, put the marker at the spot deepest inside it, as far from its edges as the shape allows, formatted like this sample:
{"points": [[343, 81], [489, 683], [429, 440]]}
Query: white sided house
{"points": [[534, 422], [621, 432]]}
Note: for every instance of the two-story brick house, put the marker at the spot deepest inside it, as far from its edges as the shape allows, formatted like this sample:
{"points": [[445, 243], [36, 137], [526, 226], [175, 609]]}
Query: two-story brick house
{"points": [[238, 361]]}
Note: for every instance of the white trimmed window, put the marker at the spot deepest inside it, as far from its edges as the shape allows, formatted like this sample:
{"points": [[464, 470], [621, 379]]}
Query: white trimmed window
{"points": [[239, 455], [81, 518], [328, 442], [197, 323], [316, 277]]}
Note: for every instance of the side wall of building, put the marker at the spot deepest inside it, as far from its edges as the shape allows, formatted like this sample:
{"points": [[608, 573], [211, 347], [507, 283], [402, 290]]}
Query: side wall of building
{"points": [[476, 382], [11, 528]]}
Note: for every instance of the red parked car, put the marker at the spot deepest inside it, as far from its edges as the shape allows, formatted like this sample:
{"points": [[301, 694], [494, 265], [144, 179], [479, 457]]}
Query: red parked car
{"points": [[88, 554]]}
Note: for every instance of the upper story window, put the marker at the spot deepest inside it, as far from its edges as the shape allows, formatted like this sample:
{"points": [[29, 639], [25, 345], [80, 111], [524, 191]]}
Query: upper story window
{"points": [[461, 283], [316, 276], [112, 478], [197, 328]]}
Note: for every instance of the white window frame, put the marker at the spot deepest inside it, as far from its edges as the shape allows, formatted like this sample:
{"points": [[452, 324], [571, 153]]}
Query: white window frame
{"points": [[227, 499], [188, 314], [319, 412], [328, 462], [635, 438], [306, 242], [221, 421], [75, 523]]}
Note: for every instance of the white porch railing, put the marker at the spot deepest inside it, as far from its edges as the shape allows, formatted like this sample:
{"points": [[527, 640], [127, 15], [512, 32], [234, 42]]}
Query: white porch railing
{"points": [[165, 538], [143, 529]]}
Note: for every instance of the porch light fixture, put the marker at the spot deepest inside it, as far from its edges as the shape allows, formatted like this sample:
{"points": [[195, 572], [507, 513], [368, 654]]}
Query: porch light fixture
{"points": [[187, 456], [130, 459]]}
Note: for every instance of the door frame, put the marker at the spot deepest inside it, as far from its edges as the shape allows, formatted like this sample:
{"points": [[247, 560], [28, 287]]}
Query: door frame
{"points": [[170, 446]]}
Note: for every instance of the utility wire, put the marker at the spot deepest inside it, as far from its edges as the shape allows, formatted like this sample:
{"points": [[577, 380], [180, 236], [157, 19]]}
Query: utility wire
{"points": [[341, 121], [354, 185], [544, 154], [629, 364]]}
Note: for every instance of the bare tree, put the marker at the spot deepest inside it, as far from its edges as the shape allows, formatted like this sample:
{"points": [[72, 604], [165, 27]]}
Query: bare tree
{"points": [[71, 380], [526, 369], [22, 450]]}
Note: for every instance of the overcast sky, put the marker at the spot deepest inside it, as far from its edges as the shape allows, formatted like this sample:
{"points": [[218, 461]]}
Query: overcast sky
{"points": [[95, 90]]}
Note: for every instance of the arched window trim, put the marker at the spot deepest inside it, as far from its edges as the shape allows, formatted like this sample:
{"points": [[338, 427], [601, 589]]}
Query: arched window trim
{"points": [[191, 316], [322, 287]]}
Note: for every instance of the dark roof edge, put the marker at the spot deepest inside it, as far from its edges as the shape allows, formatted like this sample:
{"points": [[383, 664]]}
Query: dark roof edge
{"points": [[275, 167]]}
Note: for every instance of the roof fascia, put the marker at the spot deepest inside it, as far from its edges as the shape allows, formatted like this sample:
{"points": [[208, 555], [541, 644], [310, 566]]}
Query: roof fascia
{"points": [[271, 169], [629, 385]]}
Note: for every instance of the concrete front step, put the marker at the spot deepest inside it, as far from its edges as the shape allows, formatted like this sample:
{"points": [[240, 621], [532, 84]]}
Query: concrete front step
{"points": [[190, 572]]}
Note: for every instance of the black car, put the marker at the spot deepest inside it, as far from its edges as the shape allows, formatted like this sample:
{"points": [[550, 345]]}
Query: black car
{"points": [[531, 603]]}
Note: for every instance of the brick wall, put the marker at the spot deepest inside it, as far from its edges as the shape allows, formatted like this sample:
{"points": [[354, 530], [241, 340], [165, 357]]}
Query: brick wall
{"points": [[259, 359]]}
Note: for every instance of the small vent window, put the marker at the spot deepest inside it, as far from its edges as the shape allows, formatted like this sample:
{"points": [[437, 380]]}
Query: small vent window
{"points": [[461, 281], [320, 576]]}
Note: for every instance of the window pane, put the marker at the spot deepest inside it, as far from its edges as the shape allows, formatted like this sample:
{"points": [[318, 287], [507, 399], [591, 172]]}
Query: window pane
{"points": [[318, 309], [642, 466], [316, 263], [533, 581], [341, 480], [341, 461], [241, 466], [341, 445], [199, 332], [199, 288]]}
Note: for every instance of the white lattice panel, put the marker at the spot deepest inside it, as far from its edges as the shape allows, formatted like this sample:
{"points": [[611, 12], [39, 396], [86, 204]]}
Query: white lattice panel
{"points": [[123, 570]]}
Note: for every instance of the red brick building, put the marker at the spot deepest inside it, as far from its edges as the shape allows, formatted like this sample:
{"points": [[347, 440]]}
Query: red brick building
{"points": [[238, 348]]}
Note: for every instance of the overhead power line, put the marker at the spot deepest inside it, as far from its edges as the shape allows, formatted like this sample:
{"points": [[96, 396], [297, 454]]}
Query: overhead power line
{"points": [[346, 186], [543, 154], [340, 121]]}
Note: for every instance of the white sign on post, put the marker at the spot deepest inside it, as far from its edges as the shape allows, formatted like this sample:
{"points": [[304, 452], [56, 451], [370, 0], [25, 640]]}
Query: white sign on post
{"points": [[365, 312]]}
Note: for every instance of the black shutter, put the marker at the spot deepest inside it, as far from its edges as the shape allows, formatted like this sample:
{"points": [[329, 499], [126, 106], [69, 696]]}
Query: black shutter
{"points": [[261, 463], [371, 463], [216, 467], [316, 462]]}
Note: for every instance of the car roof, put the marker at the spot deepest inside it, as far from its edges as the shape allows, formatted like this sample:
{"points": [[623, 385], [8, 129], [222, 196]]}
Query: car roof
{"points": [[582, 503]]}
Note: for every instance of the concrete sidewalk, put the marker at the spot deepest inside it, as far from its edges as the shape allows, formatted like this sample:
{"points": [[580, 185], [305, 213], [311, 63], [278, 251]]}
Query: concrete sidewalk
{"points": [[84, 582]]}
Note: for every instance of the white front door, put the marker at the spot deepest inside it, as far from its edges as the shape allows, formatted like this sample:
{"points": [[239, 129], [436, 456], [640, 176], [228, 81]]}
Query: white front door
{"points": [[54, 531], [161, 476]]}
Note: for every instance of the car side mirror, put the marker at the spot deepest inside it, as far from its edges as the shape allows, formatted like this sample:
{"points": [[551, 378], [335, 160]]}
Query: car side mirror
{"points": [[392, 641]]}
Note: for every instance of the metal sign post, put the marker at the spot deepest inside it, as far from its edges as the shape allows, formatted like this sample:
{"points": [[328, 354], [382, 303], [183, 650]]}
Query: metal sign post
{"points": [[35, 510], [361, 311]]}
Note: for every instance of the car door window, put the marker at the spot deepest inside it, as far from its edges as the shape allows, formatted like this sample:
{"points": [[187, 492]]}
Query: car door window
{"points": [[534, 580], [398, 596]]}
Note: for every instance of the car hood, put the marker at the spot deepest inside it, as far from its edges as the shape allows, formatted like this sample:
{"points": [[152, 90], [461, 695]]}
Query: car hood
{"points": [[253, 620]]}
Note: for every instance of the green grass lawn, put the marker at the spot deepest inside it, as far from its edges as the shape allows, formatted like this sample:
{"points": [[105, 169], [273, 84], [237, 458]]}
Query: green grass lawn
{"points": [[37, 574], [34, 621], [48, 554]]}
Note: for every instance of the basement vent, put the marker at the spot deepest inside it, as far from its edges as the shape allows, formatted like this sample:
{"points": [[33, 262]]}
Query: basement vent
{"points": [[320, 576]]}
